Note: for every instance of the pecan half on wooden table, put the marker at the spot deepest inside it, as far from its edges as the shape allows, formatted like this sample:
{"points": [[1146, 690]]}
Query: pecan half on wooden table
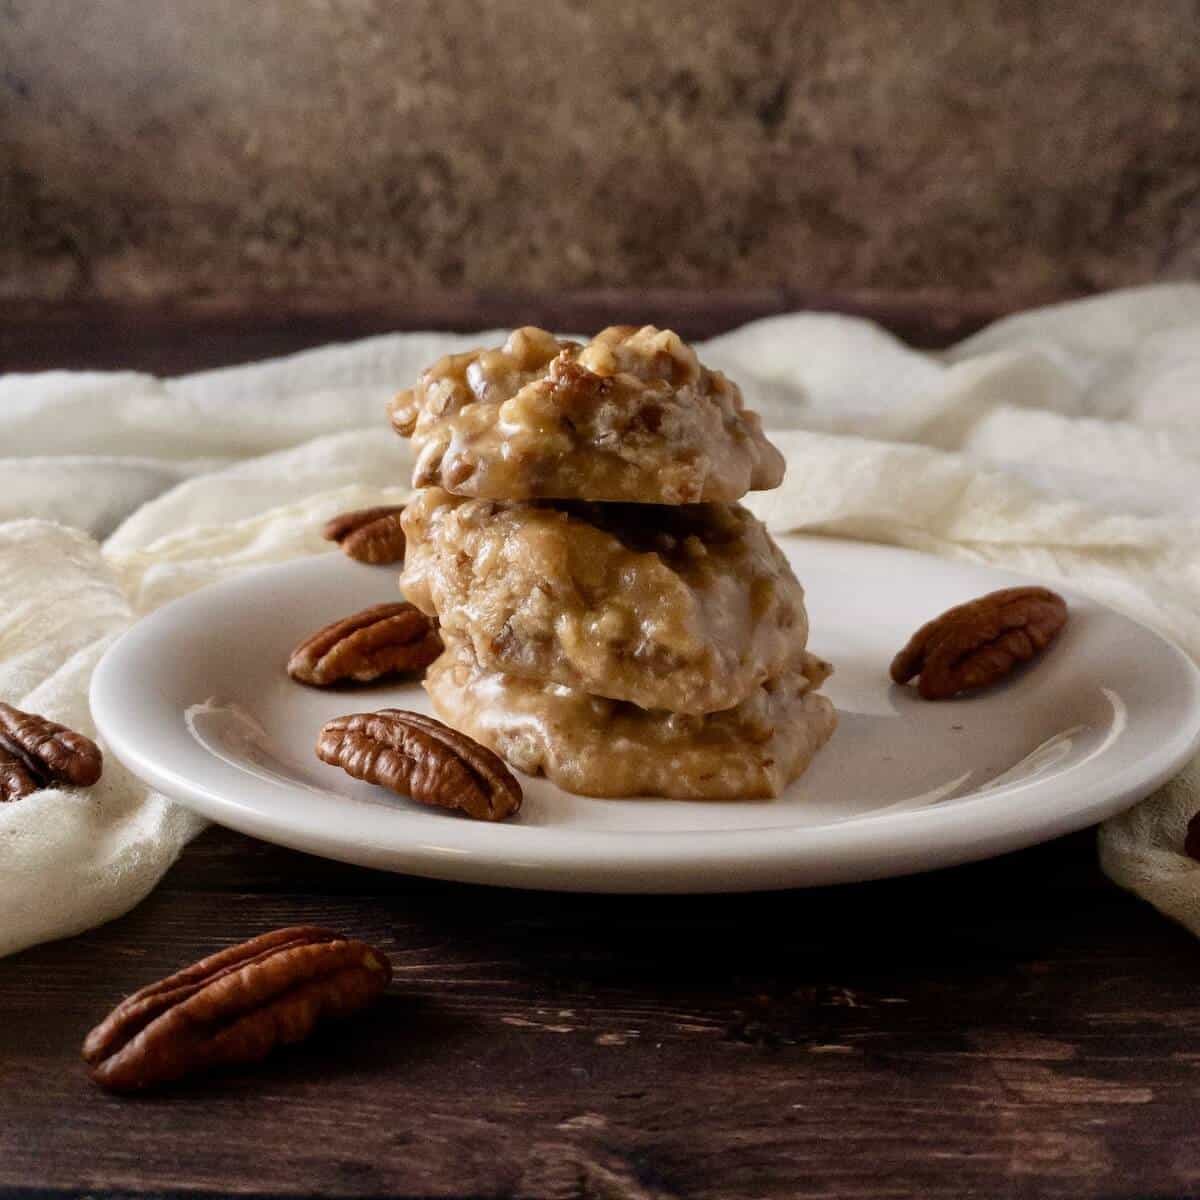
{"points": [[979, 643], [234, 1007], [37, 753], [389, 639]]}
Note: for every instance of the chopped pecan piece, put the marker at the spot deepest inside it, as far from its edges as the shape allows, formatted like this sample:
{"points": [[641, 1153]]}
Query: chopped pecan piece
{"points": [[418, 756], [234, 1007], [389, 639], [370, 535], [36, 753], [979, 643]]}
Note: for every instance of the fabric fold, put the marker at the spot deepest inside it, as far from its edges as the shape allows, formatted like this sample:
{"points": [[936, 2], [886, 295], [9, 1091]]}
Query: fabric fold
{"points": [[1063, 443]]}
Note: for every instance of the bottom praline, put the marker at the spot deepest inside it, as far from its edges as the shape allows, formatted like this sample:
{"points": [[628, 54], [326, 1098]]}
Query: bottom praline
{"points": [[599, 747]]}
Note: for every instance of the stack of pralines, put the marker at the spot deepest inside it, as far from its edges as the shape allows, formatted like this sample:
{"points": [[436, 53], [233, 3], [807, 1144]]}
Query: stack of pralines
{"points": [[613, 618]]}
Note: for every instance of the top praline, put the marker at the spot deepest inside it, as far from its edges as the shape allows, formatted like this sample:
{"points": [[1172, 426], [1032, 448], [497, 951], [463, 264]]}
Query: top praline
{"points": [[630, 416]]}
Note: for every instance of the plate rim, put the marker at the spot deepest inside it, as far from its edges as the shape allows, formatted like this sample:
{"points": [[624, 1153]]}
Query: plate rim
{"points": [[746, 859]]}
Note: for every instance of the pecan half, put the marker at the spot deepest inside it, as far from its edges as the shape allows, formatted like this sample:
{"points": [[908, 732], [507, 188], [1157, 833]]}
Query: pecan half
{"points": [[36, 753], [418, 756], [979, 643], [389, 639], [234, 1007], [370, 535]]}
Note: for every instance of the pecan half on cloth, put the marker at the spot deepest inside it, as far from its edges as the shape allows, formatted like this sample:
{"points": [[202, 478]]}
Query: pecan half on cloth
{"points": [[417, 756], [979, 643], [234, 1007], [389, 639], [369, 535], [36, 753]]}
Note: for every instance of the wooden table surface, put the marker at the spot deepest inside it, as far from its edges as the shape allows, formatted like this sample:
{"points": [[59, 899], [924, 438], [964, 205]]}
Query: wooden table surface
{"points": [[1011, 1028]]}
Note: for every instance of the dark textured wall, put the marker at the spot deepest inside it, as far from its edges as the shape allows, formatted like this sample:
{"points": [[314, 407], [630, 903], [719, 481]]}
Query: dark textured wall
{"points": [[154, 147]]}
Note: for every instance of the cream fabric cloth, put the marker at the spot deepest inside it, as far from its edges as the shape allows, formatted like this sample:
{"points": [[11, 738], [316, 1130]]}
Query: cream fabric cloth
{"points": [[1063, 442]]}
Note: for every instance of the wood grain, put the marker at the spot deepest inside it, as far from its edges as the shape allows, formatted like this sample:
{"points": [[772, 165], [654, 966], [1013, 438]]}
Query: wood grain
{"points": [[1014, 1028]]}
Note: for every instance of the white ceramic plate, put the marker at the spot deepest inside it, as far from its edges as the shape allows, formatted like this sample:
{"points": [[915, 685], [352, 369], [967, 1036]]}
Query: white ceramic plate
{"points": [[194, 699]]}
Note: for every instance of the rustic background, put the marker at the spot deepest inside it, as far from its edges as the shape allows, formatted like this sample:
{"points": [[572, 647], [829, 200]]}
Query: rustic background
{"points": [[993, 149]]}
